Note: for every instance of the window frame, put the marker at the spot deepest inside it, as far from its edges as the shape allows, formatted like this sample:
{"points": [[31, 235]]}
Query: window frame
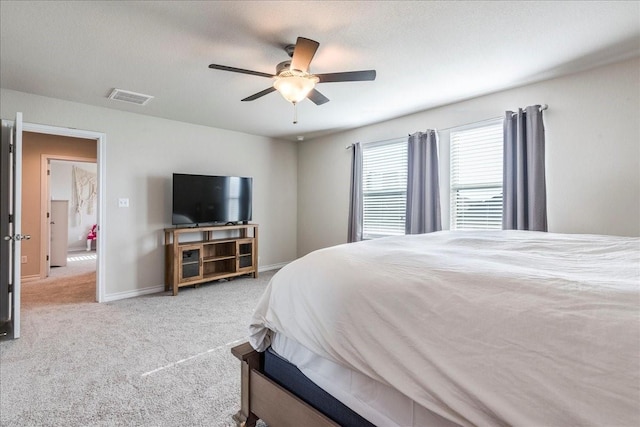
{"points": [[398, 192], [473, 221]]}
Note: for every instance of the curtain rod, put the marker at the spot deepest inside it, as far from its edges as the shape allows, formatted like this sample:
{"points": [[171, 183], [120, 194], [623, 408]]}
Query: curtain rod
{"points": [[382, 140], [542, 108]]}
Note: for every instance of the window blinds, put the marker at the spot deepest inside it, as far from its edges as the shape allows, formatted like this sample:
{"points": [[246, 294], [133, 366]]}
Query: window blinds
{"points": [[384, 188], [476, 177]]}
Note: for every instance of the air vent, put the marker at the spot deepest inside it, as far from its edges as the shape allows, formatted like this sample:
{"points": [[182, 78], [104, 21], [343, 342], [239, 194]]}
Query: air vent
{"points": [[130, 97]]}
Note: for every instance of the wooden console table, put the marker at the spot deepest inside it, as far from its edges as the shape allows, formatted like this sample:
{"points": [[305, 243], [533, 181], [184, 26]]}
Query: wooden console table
{"points": [[220, 252]]}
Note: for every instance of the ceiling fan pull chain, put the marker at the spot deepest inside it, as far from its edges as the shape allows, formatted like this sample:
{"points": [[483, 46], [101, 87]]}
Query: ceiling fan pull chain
{"points": [[295, 113]]}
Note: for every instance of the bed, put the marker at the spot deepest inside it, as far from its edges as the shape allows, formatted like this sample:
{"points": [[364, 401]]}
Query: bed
{"points": [[450, 328]]}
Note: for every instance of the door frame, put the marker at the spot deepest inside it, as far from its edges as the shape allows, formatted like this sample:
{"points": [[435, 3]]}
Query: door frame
{"points": [[13, 233], [45, 206], [101, 148]]}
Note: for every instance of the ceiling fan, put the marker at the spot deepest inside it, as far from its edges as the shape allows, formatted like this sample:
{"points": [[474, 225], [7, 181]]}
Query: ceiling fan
{"points": [[293, 79]]}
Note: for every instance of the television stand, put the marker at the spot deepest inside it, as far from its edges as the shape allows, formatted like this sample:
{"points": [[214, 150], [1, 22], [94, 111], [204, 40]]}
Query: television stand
{"points": [[218, 252]]}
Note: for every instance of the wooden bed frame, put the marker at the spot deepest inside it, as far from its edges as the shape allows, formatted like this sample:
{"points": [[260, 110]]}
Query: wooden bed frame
{"points": [[262, 398]]}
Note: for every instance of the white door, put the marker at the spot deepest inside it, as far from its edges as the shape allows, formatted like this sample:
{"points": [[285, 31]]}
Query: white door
{"points": [[49, 220], [10, 226], [59, 223]]}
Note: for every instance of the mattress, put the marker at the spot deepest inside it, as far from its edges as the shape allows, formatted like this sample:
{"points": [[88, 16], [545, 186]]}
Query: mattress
{"points": [[291, 378], [378, 403]]}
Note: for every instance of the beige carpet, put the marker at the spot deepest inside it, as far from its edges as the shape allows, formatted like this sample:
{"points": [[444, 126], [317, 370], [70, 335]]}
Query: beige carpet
{"points": [[70, 284], [59, 291]]}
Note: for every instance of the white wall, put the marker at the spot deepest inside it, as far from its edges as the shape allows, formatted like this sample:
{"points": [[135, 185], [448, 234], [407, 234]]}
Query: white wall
{"points": [[141, 154], [61, 189], [592, 154]]}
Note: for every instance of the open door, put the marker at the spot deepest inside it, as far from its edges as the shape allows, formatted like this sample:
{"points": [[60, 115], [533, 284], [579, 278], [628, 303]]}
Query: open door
{"points": [[10, 226]]}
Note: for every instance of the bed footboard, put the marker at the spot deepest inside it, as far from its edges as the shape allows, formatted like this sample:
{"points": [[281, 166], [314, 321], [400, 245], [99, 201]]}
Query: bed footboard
{"points": [[262, 398]]}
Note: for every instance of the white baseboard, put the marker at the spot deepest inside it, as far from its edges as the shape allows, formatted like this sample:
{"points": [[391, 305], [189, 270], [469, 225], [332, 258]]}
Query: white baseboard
{"points": [[155, 289], [271, 267], [130, 294]]}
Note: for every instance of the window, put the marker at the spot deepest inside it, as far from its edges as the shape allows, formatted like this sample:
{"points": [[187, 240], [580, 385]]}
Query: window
{"points": [[476, 177], [384, 188]]}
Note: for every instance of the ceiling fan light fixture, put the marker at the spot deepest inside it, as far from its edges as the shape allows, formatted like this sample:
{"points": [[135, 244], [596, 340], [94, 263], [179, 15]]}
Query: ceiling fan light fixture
{"points": [[294, 85]]}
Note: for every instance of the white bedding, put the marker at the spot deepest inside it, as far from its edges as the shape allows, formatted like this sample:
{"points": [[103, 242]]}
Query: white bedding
{"points": [[482, 328]]}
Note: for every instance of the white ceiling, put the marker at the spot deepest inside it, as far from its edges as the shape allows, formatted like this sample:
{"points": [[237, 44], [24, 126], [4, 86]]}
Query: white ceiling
{"points": [[426, 54]]}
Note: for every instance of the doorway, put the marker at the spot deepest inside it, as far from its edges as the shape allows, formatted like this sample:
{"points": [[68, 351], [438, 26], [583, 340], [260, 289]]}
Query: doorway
{"points": [[68, 216], [77, 146]]}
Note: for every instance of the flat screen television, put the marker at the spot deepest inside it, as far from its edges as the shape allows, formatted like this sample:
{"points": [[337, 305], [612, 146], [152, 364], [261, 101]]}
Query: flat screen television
{"points": [[208, 199]]}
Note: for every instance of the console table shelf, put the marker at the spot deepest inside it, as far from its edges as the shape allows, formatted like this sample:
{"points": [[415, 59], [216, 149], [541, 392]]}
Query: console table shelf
{"points": [[210, 257]]}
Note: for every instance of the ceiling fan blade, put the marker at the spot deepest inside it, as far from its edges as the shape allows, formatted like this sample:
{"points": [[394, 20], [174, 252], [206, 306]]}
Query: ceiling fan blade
{"points": [[317, 98], [303, 54], [260, 94], [239, 70], [347, 76]]}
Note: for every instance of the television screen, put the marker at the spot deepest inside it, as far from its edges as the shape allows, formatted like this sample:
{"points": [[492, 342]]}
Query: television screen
{"points": [[205, 199]]}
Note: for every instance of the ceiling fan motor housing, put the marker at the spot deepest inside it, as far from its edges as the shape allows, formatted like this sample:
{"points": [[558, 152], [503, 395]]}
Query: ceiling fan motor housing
{"points": [[283, 66]]}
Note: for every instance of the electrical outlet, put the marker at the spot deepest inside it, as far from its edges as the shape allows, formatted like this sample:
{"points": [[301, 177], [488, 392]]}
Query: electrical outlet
{"points": [[123, 203], [23, 259], [80, 237]]}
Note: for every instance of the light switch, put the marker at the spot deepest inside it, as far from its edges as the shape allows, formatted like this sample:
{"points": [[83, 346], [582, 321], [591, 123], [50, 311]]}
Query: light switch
{"points": [[123, 203]]}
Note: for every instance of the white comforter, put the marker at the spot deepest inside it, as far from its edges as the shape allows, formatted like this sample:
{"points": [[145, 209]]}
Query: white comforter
{"points": [[483, 328]]}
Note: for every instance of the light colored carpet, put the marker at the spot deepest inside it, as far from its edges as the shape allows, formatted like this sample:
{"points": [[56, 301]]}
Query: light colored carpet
{"points": [[154, 360]]}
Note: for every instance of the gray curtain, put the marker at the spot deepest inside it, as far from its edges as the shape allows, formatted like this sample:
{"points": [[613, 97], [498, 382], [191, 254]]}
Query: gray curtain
{"points": [[423, 190], [355, 201], [524, 188]]}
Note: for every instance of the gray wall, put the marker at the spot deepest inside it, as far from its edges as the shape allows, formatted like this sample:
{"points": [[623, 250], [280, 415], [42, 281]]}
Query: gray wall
{"points": [[301, 189], [593, 155], [141, 154]]}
